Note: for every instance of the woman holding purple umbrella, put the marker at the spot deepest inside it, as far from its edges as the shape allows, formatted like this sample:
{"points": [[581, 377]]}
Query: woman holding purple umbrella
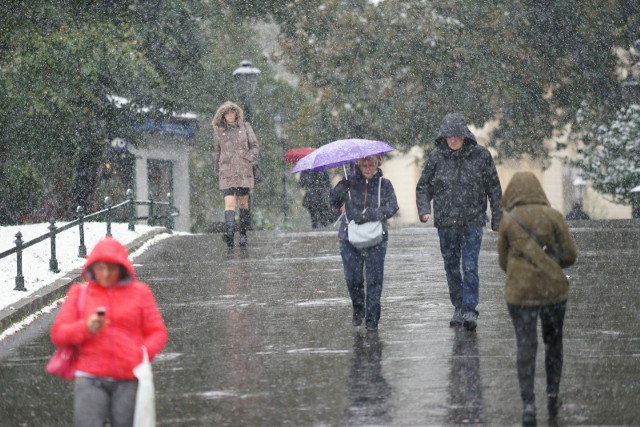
{"points": [[368, 198]]}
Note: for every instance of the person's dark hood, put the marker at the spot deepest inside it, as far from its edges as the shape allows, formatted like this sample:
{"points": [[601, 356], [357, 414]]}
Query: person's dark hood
{"points": [[454, 125], [523, 189]]}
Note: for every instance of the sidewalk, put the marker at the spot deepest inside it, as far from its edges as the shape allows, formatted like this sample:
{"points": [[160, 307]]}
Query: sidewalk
{"points": [[263, 337]]}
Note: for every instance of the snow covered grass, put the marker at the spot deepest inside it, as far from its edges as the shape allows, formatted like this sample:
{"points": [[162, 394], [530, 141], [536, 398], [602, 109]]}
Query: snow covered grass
{"points": [[35, 259], [48, 309]]}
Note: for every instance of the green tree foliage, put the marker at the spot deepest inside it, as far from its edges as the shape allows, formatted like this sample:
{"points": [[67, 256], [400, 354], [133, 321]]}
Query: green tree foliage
{"points": [[24, 183], [60, 63], [610, 157], [390, 70]]}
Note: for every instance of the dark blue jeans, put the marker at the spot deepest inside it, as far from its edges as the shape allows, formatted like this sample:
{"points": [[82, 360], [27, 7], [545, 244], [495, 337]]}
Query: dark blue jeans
{"points": [[457, 243], [360, 266]]}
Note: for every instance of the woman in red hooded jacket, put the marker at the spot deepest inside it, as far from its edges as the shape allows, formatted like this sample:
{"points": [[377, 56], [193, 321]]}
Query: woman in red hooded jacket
{"points": [[109, 344]]}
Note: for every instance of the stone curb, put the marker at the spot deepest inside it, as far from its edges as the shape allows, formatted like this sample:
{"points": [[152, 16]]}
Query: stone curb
{"points": [[58, 289]]}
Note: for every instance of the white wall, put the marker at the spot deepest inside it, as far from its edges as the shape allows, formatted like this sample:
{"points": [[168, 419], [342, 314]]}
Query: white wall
{"points": [[160, 147]]}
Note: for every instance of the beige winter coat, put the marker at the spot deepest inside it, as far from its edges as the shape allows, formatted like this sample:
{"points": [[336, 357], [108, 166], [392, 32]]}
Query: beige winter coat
{"points": [[235, 150], [533, 278]]}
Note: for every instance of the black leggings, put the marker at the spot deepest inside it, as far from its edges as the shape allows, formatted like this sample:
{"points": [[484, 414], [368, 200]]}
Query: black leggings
{"points": [[525, 322]]}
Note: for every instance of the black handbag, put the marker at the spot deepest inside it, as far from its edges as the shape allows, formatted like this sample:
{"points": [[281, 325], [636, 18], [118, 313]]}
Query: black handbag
{"points": [[258, 176]]}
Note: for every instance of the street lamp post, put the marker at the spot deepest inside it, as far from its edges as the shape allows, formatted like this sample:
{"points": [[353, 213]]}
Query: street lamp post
{"points": [[635, 202], [279, 123], [246, 77], [579, 185]]}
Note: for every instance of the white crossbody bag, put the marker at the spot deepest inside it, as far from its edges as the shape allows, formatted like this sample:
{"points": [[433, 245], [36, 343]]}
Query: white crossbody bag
{"points": [[365, 235]]}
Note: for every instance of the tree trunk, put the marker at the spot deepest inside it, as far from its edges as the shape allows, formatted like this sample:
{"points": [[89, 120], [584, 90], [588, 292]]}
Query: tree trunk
{"points": [[86, 176]]}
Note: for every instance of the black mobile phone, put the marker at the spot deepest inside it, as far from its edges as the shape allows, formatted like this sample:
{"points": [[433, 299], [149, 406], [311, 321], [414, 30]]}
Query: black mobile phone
{"points": [[101, 311]]}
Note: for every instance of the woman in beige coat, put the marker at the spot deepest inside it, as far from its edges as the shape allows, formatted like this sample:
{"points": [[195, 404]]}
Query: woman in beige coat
{"points": [[534, 246], [235, 151]]}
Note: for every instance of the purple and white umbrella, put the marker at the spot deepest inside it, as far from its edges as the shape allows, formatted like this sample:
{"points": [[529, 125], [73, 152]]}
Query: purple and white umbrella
{"points": [[339, 152]]}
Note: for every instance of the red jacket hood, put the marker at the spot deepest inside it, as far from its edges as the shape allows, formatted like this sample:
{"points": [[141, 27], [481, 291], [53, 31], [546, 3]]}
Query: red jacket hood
{"points": [[111, 251]]}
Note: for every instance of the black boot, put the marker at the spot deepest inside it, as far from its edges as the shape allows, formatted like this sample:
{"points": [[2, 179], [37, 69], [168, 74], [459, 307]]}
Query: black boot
{"points": [[230, 225], [553, 404], [529, 415], [245, 223]]}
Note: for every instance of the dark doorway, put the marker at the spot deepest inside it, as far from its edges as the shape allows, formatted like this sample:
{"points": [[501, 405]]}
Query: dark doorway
{"points": [[160, 178]]}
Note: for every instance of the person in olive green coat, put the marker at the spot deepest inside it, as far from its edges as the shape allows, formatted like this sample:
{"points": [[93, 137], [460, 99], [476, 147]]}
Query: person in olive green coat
{"points": [[534, 245]]}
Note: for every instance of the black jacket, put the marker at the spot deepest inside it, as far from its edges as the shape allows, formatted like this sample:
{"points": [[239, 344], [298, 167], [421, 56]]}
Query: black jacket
{"points": [[356, 204], [317, 185], [459, 182]]}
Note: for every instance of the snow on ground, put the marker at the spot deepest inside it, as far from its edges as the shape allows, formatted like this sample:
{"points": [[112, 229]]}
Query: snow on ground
{"points": [[48, 309], [35, 259]]}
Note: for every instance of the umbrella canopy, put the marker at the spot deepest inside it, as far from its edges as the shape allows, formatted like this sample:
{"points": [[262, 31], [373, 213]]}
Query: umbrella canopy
{"points": [[340, 152], [294, 155]]}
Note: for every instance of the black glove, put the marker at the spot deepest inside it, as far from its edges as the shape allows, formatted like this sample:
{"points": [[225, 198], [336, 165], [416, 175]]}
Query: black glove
{"points": [[361, 218], [345, 184]]}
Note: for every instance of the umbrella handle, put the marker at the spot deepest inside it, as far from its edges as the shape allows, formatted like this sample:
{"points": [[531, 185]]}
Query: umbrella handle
{"points": [[346, 177]]}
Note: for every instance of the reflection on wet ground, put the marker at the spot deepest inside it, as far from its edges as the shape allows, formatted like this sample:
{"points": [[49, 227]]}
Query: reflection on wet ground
{"points": [[368, 392], [465, 385], [263, 337]]}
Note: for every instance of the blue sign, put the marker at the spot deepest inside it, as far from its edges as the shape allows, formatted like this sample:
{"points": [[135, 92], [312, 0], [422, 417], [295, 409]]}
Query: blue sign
{"points": [[185, 129]]}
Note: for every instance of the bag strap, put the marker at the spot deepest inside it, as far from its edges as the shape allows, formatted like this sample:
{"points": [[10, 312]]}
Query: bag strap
{"points": [[246, 132], [379, 188], [529, 232], [82, 298]]}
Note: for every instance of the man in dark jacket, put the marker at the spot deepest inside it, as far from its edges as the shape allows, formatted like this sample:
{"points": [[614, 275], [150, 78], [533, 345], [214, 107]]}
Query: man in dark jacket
{"points": [[459, 177]]}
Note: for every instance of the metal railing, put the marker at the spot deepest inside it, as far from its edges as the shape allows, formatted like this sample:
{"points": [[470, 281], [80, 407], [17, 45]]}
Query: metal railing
{"points": [[158, 212]]}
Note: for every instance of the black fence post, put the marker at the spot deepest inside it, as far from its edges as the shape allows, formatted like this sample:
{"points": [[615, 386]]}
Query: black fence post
{"points": [[132, 210], [107, 201], [82, 249], [169, 220], [53, 262], [150, 218], [19, 276]]}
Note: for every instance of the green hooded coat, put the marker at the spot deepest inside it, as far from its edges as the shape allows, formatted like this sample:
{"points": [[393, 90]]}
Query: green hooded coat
{"points": [[533, 277]]}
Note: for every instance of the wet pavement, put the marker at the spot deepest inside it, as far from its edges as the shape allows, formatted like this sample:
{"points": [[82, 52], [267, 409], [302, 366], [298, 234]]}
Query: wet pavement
{"points": [[263, 337]]}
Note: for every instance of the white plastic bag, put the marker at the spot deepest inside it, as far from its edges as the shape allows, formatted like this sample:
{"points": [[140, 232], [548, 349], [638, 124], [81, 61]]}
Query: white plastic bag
{"points": [[145, 412]]}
